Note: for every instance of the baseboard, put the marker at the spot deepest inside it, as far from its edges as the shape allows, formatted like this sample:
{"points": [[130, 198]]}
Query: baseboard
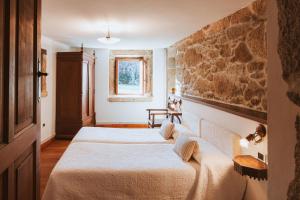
{"points": [[64, 137], [122, 125], [47, 142]]}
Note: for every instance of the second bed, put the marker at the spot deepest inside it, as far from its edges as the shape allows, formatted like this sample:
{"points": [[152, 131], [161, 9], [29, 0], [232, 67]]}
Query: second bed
{"points": [[120, 135]]}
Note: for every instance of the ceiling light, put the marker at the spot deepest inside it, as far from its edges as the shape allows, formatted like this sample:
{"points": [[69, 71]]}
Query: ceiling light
{"points": [[108, 39]]}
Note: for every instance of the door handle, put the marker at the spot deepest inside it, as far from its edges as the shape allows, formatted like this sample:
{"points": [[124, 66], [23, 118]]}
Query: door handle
{"points": [[40, 74], [38, 80]]}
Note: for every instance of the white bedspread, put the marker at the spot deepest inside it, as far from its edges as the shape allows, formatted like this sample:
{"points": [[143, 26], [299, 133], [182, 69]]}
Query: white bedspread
{"points": [[120, 171], [93, 171], [119, 135], [218, 180]]}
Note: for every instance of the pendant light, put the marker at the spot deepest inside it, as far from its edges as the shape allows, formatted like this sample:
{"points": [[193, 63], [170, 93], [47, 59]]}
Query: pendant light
{"points": [[108, 39]]}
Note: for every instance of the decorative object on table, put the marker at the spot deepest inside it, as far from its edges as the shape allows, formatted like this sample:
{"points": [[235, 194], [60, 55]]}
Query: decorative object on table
{"points": [[173, 90], [250, 166], [174, 103], [256, 137], [44, 91], [174, 106]]}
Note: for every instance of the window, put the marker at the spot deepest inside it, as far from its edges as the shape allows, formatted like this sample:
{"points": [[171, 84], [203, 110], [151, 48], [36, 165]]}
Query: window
{"points": [[129, 76]]}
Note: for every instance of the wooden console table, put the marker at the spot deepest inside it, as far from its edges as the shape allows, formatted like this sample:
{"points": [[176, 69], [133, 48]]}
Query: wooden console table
{"points": [[169, 114]]}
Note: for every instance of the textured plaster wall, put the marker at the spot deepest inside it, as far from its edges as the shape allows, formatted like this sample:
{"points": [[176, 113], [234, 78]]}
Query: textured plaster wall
{"points": [[289, 48], [289, 52], [226, 61], [127, 112], [283, 69]]}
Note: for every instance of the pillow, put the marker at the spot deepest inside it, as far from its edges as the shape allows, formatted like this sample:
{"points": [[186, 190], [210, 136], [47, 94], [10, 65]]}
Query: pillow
{"points": [[197, 155], [185, 147], [180, 129], [166, 129], [175, 135]]}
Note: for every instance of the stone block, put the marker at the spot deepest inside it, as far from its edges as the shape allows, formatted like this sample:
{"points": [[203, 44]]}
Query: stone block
{"points": [[255, 39], [242, 53]]}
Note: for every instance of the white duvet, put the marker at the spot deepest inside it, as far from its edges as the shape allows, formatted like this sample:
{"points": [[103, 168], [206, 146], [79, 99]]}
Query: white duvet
{"points": [[119, 135], [93, 171]]}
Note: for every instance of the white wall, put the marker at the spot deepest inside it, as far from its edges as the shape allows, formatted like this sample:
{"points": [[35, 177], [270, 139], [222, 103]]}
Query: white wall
{"points": [[127, 112], [48, 103], [256, 190], [281, 117]]}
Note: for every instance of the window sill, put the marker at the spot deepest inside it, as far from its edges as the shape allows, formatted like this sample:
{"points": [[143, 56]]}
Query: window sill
{"points": [[129, 98]]}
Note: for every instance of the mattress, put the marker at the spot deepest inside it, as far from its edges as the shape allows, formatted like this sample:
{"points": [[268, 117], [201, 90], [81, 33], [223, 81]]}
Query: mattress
{"points": [[119, 135], [141, 171]]}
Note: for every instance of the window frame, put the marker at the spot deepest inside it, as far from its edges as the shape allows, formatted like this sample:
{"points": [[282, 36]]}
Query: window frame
{"points": [[140, 59]]}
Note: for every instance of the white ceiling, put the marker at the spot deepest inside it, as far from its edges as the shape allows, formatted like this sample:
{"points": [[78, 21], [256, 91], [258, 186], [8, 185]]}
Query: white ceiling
{"points": [[140, 24]]}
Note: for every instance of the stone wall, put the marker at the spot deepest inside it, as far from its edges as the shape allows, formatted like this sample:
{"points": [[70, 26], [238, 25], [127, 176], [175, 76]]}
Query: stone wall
{"points": [[226, 61]]}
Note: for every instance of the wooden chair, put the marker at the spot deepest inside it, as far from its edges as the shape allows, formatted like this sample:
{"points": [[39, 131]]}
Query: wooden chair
{"points": [[153, 120]]}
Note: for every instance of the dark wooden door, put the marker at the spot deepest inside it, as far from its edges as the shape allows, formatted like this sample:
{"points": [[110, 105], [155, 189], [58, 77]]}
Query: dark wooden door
{"points": [[19, 99]]}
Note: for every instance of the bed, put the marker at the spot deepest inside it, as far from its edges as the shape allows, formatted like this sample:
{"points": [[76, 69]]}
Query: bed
{"points": [[142, 171], [119, 135]]}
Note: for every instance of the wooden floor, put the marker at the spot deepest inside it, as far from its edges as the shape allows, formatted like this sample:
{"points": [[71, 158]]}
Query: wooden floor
{"points": [[49, 157]]}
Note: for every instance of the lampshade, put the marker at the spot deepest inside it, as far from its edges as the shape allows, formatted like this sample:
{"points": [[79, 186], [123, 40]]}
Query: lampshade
{"points": [[108, 40], [244, 143], [257, 136]]}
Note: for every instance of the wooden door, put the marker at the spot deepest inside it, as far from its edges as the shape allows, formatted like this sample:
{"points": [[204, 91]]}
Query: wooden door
{"points": [[92, 90], [19, 106], [85, 89], [88, 108]]}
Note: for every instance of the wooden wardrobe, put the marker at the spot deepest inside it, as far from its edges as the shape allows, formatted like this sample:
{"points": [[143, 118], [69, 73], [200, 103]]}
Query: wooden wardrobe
{"points": [[75, 92]]}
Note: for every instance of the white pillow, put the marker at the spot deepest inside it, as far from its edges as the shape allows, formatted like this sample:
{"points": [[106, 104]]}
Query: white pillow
{"points": [[179, 130], [185, 147], [166, 129]]}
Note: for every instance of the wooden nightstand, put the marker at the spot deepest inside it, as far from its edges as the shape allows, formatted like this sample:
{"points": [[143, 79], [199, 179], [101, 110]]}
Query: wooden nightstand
{"points": [[250, 166]]}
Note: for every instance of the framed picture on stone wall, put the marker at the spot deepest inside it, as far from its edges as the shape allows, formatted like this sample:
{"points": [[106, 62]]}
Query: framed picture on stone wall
{"points": [[44, 91]]}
